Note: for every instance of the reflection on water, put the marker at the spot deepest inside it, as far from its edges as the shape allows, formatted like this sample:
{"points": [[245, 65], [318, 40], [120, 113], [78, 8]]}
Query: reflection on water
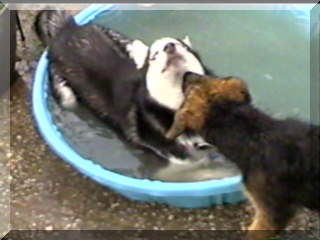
{"points": [[94, 140]]}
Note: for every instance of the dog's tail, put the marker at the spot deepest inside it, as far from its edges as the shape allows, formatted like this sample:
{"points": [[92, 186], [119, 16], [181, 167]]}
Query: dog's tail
{"points": [[48, 23]]}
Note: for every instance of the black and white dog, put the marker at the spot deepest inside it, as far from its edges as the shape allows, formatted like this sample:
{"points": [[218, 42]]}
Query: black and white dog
{"points": [[136, 87]]}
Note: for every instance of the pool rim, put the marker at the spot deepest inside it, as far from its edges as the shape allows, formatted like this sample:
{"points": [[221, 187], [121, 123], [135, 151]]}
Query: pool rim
{"points": [[119, 182]]}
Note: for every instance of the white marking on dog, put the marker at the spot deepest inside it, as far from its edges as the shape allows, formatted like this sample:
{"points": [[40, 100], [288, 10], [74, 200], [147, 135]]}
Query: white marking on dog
{"points": [[138, 51], [185, 140], [199, 142], [165, 72], [194, 143], [68, 99]]}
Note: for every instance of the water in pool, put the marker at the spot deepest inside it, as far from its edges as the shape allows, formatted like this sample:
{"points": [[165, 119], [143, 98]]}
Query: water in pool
{"points": [[269, 49], [94, 140]]}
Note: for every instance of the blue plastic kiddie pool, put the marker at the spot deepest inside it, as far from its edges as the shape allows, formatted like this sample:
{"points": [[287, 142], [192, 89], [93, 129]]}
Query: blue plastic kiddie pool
{"points": [[187, 194]]}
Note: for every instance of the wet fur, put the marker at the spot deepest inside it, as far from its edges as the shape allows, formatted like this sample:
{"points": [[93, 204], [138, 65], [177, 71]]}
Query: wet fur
{"points": [[106, 79], [279, 161], [202, 92]]}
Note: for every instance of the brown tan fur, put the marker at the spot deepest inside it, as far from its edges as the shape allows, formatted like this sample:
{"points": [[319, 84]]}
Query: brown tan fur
{"points": [[263, 225], [201, 92], [278, 159]]}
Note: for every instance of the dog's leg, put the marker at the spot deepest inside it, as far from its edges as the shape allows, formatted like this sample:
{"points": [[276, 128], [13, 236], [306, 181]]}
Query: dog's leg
{"points": [[61, 90], [268, 222], [67, 97], [262, 227], [178, 126], [272, 209]]}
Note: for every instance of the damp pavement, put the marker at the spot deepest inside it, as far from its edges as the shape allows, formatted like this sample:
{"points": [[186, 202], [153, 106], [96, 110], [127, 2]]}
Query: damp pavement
{"points": [[49, 194]]}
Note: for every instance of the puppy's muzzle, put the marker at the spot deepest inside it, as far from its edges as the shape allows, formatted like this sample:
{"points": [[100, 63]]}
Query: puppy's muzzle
{"points": [[170, 48]]}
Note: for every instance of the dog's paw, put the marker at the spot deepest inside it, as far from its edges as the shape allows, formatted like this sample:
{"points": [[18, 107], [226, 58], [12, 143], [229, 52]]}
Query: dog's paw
{"points": [[67, 97]]}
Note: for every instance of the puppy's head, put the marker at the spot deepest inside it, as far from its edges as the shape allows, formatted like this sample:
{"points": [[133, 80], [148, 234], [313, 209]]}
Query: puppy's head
{"points": [[227, 89], [172, 57], [168, 60], [164, 64]]}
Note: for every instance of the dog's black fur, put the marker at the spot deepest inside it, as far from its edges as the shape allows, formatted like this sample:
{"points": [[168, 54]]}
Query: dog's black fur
{"points": [[87, 58], [103, 77], [279, 160]]}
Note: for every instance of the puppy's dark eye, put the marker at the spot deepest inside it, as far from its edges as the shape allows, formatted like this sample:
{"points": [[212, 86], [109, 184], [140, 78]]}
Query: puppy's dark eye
{"points": [[153, 57]]}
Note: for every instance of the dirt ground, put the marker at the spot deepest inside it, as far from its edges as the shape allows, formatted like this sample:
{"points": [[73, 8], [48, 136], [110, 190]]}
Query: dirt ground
{"points": [[48, 194]]}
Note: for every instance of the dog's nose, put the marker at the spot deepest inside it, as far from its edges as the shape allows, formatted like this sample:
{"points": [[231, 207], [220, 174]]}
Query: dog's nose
{"points": [[170, 48]]}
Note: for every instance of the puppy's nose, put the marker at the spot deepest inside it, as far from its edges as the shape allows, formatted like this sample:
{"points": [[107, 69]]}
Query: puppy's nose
{"points": [[170, 48]]}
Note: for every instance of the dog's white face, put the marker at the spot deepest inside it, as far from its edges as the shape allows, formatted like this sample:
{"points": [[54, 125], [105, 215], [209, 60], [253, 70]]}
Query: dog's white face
{"points": [[167, 59], [171, 57]]}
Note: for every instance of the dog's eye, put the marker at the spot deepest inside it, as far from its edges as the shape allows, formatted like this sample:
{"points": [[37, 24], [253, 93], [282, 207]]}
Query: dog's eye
{"points": [[153, 57]]}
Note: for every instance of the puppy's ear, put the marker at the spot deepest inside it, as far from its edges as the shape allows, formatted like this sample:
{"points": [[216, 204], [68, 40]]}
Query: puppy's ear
{"points": [[187, 41], [248, 98], [191, 76], [138, 51]]}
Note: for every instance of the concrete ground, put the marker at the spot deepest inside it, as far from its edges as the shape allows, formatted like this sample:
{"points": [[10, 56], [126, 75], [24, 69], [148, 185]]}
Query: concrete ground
{"points": [[47, 193], [4, 166]]}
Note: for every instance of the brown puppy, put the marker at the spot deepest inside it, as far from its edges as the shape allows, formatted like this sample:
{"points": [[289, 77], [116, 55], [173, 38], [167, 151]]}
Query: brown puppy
{"points": [[201, 92], [278, 158]]}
